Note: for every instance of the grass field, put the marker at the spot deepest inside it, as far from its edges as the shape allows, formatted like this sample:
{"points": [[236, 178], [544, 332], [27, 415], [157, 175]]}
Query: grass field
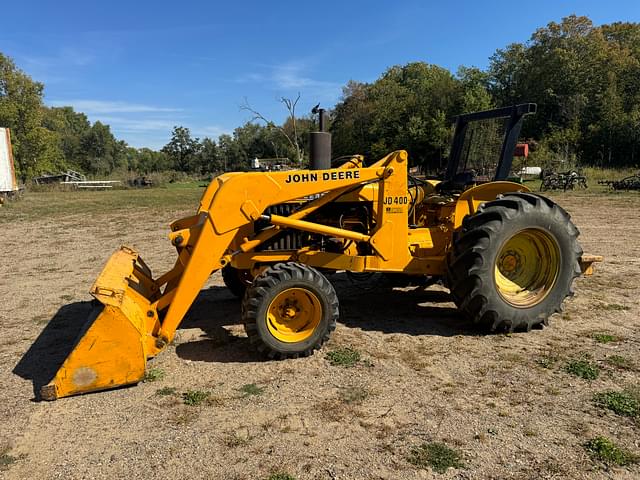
{"points": [[55, 202], [404, 389]]}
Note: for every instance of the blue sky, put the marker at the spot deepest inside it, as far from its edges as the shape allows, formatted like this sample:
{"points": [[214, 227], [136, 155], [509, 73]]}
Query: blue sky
{"points": [[144, 66]]}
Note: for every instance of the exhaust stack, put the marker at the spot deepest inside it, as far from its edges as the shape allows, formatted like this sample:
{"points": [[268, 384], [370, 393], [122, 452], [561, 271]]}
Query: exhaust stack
{"points": [[319, 143]]}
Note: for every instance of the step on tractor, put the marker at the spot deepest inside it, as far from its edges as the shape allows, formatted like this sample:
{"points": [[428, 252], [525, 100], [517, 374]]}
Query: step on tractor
{"points": [[508, 256]]}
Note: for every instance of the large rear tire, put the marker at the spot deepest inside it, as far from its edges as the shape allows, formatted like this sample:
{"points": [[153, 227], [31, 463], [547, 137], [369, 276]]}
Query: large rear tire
{"points": [[290, 310], [514, 262]]}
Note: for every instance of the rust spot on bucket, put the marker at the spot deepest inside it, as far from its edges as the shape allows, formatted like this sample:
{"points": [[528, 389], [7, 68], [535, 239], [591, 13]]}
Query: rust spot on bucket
{"points": [[84, 376]]}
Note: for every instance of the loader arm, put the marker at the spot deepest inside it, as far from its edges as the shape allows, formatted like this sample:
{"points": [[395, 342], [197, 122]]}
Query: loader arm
{"points": [[139, 315], [228, 209]]}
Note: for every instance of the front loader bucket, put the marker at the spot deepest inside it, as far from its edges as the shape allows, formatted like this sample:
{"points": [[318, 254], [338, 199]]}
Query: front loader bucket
{"points": [[114, 344]]}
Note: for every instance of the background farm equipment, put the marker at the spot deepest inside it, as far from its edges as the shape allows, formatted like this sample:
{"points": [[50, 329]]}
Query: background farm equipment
{"points": [[140, 182], [570, 180], [631, 182], [61, 177], [75, 180]]}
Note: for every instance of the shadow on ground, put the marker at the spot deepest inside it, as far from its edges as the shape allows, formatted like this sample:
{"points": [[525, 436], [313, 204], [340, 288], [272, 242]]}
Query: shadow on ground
{"points": [[377, 306], [45, 356], [372, 304], [367, 305], [214, 309]]}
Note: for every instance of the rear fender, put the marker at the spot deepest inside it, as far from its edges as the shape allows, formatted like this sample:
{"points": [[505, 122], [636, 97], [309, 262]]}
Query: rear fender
{"points": [[471, 199]]}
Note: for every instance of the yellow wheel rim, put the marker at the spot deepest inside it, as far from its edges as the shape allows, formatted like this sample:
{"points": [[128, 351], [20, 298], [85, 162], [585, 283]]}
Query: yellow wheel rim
{"points": [[293, 315], [527, 267]]}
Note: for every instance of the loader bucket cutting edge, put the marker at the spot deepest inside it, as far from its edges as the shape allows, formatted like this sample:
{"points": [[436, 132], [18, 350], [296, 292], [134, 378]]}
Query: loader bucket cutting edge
{"points": [[112, 347]]}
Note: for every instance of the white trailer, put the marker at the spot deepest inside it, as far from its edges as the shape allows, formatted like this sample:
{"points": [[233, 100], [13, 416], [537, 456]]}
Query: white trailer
{"points": [[8, 183]]}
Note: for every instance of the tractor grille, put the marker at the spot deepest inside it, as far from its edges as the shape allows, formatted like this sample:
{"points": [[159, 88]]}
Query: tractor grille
{"points": [[287, 240]]}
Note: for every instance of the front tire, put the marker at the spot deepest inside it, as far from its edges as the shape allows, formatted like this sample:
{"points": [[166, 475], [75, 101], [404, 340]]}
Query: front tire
{"points": [[514, 262], [290, 310]]}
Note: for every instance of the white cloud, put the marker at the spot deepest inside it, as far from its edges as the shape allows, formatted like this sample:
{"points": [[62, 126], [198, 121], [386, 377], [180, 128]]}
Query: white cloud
{"points": [[102, 106], [124, 124], [251, 77], [63, 57], [291, 75], [60, 66], [211, 131], [294, 75]]}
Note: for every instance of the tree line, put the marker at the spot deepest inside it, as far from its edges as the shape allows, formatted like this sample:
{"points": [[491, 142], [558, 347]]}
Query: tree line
{"points": [[584, 79]]}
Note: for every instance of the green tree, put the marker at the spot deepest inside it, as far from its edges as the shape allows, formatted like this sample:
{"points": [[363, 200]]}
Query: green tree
{"points": [[208, 158], [231, 155], [507, 74], [475, 89], [182, 149], [290, 131], [21, 109], [350, 120], [101, 153], [71, 127], [409, 107], [39, 153], [146, 160], [253, 140], [584, 80]]}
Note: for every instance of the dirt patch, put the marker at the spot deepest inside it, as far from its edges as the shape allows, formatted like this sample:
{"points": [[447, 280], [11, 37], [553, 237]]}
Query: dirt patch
{"points": [[505, 403]]}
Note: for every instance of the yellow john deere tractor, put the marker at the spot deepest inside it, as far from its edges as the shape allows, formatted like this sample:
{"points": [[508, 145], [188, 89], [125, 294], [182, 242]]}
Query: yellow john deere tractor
{"points": [[508, 256]]}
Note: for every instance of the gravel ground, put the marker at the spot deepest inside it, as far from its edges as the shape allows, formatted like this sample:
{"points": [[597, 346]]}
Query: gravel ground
{"points": [[505, 402]]}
